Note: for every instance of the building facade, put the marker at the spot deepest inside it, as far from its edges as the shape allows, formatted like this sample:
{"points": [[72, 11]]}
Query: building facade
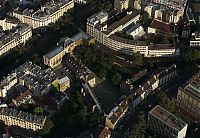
{"points": [[49, 13], [195, 39], [121, 5], [166, 124], [7, 84], [19, 118], [104, 34], [116, 114], [9, 41], [188, 98]]}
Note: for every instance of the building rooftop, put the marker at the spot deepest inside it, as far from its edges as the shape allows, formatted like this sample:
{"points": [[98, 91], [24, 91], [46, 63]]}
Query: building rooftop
{"points": [[23, 95], [162, 72], [45, 11], [162, 26], [39, 120], [54, 52], [6, 37], [133, 28], [80, 35], [64, 79], [193, 86], [161, 47], [167, 118], [105, 133], [128, 41], [120, 23], [35, 77], [5, 81], [118, 110]]}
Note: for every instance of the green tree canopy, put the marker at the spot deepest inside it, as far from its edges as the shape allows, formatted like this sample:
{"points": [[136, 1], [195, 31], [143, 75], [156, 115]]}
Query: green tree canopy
{"points": [[165, 102], [47, 127], [117, 78], [38, 110]]}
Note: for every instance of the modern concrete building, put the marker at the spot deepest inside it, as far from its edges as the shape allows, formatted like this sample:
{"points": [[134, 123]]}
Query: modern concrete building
{"points": [[188, 97], [166, 124], [49, 13], [19, 118], [195, 39], [98, 28], [136, 31]]}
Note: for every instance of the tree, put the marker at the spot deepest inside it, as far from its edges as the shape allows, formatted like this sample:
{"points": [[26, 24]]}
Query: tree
{"points": [[140, 127], [102, 73], [165, 102], [116, 79], [38, 110], [47, 127], [145, 17], [191, 55]]}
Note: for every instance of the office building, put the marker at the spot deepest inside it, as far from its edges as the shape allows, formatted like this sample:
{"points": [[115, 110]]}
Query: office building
{"points": [[106, 34], [165, 124]]}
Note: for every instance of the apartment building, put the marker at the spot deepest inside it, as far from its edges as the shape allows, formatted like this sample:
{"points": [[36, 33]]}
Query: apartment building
{"points": [[18, 35], [36, 79], [137, 4], [22, 119], [188, 97], [195, 39], [7, 84], [116, 114], [149, 84], [49, 13], [169, 12], [166, 124], [98, 28], [8, 23], [166, 75], [22, 98], [121, 5]]}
